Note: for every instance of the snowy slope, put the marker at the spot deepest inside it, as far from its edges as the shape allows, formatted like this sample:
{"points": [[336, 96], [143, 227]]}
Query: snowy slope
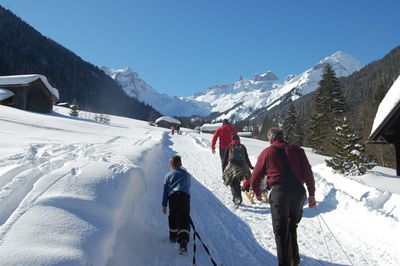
{"points": [[135, 87], [266, 90], [245, 95], [76, 192]]}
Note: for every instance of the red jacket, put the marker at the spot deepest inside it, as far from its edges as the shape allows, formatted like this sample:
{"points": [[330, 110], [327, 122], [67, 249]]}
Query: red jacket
{"points": [[270, 164], [224, 133]]}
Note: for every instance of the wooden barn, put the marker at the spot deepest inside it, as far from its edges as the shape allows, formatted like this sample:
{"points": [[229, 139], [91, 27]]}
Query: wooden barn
{"points": [[386, 127], [167, 122], [28, 92]]}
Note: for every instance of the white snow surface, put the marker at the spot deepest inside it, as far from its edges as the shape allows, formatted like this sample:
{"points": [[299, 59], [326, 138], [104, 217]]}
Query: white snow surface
{"points": [[389, 102], [77, 192], [26, 79]]}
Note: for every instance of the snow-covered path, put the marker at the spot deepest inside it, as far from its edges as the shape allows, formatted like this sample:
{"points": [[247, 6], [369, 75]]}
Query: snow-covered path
{"points": [[244, 236], [76, 192]]}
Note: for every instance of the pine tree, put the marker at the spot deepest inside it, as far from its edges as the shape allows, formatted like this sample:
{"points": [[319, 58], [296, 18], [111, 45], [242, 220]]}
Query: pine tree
{"points": [[319, 123], [299, 133], [74, 108], [329, 109], [349, 158], [289, 124]]}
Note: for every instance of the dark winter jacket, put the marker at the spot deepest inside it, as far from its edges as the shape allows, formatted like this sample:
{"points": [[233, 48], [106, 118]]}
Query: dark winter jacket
{"points": [[176, 180], [224, 133], [269, 163], [226, 156]]}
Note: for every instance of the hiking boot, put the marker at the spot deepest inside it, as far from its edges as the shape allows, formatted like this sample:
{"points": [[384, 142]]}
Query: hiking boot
{"points": [[172, 239], [183, 246], [237, 202]]}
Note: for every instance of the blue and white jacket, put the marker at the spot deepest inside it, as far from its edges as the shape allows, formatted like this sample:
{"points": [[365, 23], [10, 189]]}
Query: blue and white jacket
{"points": [[177, 179]]}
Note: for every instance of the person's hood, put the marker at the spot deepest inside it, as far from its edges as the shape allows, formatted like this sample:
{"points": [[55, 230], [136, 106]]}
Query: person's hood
{"points": [[279, 143], [228, 126]]}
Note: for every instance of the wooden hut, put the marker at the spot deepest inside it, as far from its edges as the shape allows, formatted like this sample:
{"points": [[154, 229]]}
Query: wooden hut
{"points": [[386, 127], [167, 122], [29, 92]]}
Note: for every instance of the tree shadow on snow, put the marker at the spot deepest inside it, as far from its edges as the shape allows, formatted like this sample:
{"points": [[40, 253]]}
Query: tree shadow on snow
{"points": [[329, 203]]}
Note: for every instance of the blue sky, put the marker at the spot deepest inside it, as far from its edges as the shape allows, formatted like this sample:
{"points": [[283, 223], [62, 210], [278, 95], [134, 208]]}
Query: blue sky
{"points": [[181, 47]]}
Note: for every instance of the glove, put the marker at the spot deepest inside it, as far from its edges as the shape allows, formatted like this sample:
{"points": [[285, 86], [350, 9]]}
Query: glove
{"points": [[245, 189], [245, 186]]}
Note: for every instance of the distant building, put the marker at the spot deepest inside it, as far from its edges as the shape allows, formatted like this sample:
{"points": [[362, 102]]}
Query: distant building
{"points": [[28, 92], [167, 122], [210, 128], [386, 127], [246, 134]]}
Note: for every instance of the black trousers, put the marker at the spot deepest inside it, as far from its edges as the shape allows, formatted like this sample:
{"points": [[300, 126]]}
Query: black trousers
{"points": [[286, 203], [236, 191], [179, 219], [222, 156]]}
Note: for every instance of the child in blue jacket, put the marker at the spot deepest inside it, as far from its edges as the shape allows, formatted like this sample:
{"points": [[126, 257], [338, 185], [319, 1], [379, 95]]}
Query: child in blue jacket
{"points": [[177, 195]]}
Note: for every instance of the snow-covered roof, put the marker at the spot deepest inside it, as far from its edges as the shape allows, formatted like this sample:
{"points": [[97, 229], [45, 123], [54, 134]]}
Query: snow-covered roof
{"points": [[4, 94], [387, 108], [27, 79], [210, 127], [168, 119]]}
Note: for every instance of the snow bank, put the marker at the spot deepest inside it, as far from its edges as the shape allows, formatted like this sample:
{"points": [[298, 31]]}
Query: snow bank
{"points": [[64, 199]]}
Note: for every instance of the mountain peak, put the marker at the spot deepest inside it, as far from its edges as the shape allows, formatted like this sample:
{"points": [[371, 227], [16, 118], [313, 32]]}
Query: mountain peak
{"points": [[267, 76], [345, 61]]}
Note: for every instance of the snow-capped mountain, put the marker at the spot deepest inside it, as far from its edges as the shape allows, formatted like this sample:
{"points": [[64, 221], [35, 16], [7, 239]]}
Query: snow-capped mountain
{"points": [[135, 87], [238, 100]]}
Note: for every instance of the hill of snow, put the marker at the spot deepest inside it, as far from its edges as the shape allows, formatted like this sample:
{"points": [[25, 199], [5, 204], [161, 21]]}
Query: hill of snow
{"points": [[77, 192], [135, 87]]}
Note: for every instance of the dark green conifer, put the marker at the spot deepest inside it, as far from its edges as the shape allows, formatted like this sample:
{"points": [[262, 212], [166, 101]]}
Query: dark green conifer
{"points": [[289, 124], [349, 157], [74, 108]]}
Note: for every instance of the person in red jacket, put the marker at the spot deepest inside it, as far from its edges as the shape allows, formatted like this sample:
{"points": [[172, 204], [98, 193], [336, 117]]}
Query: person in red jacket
{"points": [[224, 133], [287, 169]]}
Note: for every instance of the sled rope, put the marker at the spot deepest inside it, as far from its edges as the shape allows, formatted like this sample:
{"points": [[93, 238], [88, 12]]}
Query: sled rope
{"points": [[194, 245], [323, 235], [319, 215]]}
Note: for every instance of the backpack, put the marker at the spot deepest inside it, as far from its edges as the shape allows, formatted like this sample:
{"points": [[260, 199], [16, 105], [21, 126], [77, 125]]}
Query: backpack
{"points": [[236, 154]]}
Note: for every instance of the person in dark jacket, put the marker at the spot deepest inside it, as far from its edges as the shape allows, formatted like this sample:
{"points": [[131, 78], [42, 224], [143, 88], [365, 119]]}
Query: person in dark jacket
{"points": [[236, 168], [224, 134], [287, 169], [177, 194]]}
